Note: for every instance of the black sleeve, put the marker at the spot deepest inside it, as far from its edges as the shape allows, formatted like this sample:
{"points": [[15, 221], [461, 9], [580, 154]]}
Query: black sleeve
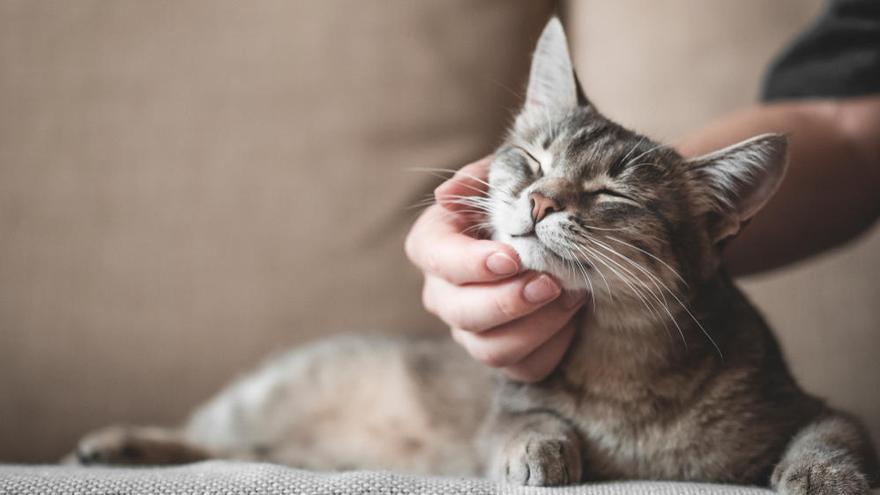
{"points": [[837, 56]]}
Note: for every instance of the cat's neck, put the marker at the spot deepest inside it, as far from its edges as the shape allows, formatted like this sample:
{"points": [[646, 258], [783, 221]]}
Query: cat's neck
{"points": [[623, 348]]}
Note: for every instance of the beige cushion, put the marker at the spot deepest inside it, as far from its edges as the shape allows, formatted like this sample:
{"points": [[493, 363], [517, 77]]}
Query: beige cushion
{"points": [[188, 186]]}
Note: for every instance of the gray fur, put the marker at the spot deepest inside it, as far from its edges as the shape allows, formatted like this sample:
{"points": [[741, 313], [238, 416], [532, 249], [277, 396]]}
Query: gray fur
{"points": [[673, 374]]}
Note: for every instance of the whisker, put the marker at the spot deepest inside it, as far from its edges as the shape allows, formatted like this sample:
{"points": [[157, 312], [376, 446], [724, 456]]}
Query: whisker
{"points": [[571, 263], [466, 201], [626, 279], [653, 148], [635, 290], [678, 300], [422, 203], [652, 256], [591, 261], [642, 140], [592, 227], [484, 227], [475, 189], [435, 171], [661, 300], [583, 271]]}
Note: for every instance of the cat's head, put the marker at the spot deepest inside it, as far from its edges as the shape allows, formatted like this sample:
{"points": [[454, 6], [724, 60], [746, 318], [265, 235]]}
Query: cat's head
{"points": [[606, 209]]}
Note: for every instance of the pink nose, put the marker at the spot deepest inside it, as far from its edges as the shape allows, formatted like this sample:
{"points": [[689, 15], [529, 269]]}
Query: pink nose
{"points": [[542, 206]]}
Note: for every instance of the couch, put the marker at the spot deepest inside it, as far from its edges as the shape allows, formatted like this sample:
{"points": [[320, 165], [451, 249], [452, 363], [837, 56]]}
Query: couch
{"points": [[187, 186]]}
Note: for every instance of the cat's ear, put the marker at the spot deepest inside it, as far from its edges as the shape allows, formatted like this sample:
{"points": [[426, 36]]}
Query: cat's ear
{"points": [[734, 183], [553, 86]]}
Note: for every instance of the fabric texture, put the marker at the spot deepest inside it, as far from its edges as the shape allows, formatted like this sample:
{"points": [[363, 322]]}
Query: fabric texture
{"points": [[231, 478], [838, 56], [189, 186]]}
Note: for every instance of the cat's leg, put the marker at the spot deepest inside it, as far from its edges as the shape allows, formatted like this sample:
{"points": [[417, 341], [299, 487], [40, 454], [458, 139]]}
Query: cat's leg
{"points": [[131, 445], [832, 455], [534, 448]]}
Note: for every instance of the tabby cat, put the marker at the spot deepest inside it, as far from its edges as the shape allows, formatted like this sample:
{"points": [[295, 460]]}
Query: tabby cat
{"points": [[673, 375]]}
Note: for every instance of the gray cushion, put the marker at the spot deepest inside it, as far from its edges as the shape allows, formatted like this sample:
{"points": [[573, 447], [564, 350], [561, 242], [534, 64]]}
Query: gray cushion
{"points": [[232, 478]]}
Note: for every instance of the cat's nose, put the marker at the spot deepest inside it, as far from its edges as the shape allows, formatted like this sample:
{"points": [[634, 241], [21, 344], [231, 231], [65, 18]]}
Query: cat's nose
{"points": [[542, 206]]}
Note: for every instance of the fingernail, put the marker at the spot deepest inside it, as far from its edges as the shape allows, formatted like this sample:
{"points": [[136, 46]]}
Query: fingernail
{"points": [[501, 264], [573, 298], [541, 289]]}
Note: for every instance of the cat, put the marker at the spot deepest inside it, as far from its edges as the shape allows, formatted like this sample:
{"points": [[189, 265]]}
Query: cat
{"points": [[673, 374]]}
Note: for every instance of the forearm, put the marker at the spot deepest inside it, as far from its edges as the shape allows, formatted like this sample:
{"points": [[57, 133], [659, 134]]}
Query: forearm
{"points": [[830, 194]]}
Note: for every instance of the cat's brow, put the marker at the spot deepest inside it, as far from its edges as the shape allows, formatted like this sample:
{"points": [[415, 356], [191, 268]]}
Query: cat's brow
{"points": [[626, 163], [586, 137], [598, 182], [526, 152], [617, 167]]}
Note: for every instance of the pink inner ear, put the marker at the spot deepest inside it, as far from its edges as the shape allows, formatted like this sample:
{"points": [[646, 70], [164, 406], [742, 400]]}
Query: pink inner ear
{"points": [[750, 204]]}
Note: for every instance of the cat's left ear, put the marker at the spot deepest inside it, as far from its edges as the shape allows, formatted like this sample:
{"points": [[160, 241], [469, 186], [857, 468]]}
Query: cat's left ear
{"points": [[734, 183], [553, 86]]}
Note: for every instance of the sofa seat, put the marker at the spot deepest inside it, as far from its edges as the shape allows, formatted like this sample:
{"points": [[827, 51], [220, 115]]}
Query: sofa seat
{"points": [[234, 478]]}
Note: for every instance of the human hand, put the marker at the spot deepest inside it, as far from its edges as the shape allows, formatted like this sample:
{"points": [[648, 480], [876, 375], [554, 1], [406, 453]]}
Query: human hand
{"points": [[507, 318]]}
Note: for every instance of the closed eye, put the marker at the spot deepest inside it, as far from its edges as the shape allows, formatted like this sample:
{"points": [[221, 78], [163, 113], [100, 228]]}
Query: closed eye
{"points": [[534, 164], [612, 193]]}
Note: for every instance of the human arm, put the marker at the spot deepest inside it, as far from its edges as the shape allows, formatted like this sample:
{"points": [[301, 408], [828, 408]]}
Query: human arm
{"points": [[830, 193]]}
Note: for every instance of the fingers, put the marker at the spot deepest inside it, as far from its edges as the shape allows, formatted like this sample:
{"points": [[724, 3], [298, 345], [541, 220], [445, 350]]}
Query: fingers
{"points": [[502, 317], [540, 363], [436, 246], [470, 180], [509, 344], [479, 307]]}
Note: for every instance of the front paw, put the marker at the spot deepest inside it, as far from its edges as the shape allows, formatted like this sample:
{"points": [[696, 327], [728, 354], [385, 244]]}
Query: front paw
{"points": [[820, 478], [537, 460], [112, 445]]}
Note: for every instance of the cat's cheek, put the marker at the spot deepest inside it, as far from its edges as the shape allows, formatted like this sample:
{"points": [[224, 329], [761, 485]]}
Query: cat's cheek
{"points": [[530, 253], [511, 218], [535, 257]]}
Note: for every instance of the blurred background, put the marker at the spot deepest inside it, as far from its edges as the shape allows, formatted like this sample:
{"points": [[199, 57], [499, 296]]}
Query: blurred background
{"points": [[188, 186]]}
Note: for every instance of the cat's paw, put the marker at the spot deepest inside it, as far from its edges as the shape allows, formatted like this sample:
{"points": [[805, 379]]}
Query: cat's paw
{"points": [[137, 445], [535, 460], [820, 478], [113, 445]]}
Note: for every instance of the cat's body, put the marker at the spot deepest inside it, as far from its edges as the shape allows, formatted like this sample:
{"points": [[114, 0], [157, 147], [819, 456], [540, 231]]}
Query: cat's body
{"points": [[653, 409], [342, 403], [672, 374]]}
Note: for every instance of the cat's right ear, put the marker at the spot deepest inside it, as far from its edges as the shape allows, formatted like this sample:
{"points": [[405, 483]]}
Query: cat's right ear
{"points": [[553, 86]]}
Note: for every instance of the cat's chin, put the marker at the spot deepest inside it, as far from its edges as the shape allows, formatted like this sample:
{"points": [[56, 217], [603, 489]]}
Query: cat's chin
{"points": [[534, 255]]}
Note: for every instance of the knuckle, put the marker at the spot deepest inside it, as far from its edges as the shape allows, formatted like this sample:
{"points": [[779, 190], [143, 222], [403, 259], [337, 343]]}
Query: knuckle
{"points": [[434, 302], [428, 299], [490, 356], [448, 315], [475, 266], [456, 318], [507, 308], [409, 247], [432, 262], [522, 373]]}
